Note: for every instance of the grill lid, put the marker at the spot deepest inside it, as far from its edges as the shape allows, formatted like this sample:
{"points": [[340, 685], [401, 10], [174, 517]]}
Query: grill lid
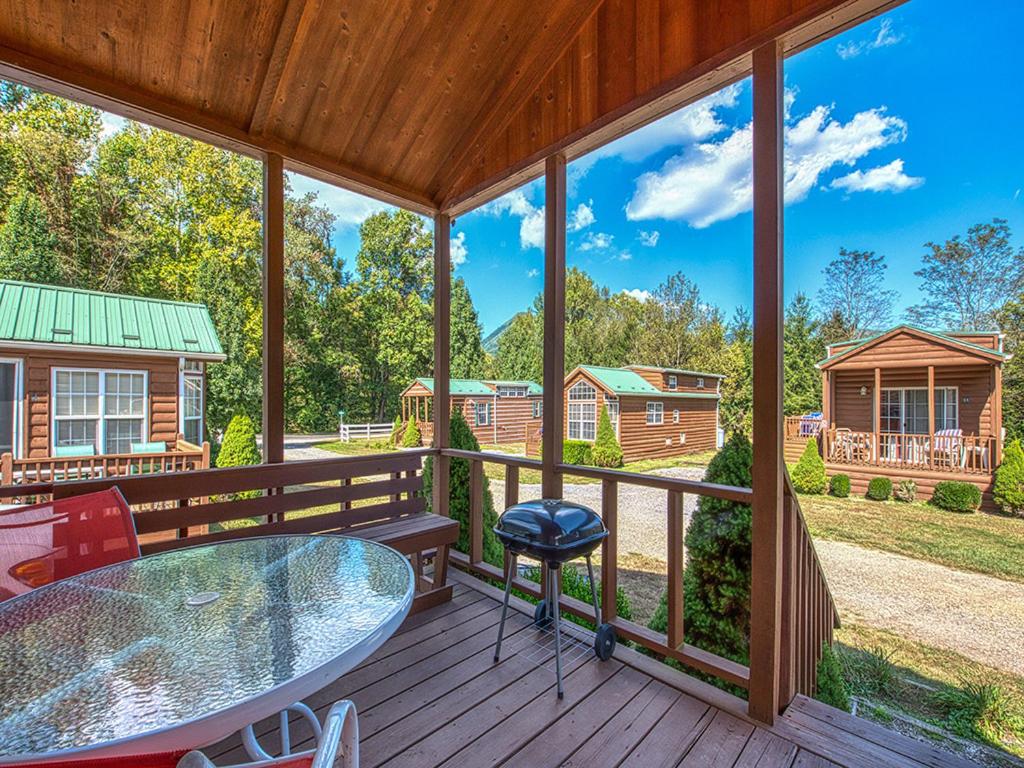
{"points": [[551, 523]]}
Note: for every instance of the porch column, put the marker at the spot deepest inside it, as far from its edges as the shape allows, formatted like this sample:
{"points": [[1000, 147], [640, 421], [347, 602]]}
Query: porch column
{"points": [[997, 417], [931, 414], [273, 309], [442, 350], [554, 324], [826, 412], [766, 534], [876, 415]]}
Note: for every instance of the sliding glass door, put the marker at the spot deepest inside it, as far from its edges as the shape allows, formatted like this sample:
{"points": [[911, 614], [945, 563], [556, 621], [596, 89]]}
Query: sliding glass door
{"points": [[10, 401]]}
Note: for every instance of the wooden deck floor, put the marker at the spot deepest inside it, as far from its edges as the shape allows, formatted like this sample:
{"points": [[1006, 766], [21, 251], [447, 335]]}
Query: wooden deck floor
{"points": [[433, 697]]}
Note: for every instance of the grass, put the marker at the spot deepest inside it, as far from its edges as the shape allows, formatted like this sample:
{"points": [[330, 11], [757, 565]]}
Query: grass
{"points": [[979, 542]]}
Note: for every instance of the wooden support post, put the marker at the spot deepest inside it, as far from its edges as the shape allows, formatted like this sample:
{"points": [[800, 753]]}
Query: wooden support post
{"points": [[476, 511], [997, 419], [273, 309], [787, 673], [441, 437], [610, 549], [931, 416], [554, 325], [674, 535], [766, 533], [511, 499], [876, 416]]}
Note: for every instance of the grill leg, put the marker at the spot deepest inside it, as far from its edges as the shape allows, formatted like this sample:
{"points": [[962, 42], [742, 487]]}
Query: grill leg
{"points": [[593, 593], [553, 592], [504, 611]]}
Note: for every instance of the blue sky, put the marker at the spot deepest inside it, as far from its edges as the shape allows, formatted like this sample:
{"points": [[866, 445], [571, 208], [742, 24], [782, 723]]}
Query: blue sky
{"points": [[903, 130]]}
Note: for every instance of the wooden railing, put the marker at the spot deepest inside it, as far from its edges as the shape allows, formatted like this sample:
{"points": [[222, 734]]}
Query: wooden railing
{"points": [[967, 454], [808, 612], [800, 428], [53, 469]]}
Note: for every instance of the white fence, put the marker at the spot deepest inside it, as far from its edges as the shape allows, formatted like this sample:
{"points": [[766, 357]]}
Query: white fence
{"points": [[347, 432]]}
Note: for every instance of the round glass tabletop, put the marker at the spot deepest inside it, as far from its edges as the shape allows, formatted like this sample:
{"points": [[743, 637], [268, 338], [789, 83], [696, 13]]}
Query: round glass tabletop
{"points": [[209, 637]]}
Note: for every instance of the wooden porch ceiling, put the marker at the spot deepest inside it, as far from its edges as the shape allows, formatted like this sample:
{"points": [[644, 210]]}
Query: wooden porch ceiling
{"points": [[431, 104]]}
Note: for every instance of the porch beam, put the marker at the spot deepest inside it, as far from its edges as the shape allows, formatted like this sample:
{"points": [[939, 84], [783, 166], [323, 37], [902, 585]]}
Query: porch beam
{"points": [[766, 534], [554, 324], [273, 309], [442, 353]]}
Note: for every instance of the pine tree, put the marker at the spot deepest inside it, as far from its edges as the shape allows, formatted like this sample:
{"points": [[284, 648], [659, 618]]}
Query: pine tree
{"points": [[239, 449], [606, 451], [28, 250], [412, 437], [802, 349], [467, 351]]}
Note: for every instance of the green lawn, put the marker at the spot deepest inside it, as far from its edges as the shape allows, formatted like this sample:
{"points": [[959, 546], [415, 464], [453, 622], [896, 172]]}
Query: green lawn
{"points": [[980, 542]]}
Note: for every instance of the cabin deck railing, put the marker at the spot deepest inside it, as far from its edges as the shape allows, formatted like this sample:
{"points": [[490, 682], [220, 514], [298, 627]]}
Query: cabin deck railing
{"points": [[809, 613], [955, 454]]}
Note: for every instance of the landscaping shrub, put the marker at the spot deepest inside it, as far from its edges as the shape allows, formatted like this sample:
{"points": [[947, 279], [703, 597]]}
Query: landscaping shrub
{"points": [[606, 451], [577, 452], [956, 496], [458, 492], [396, 432], [576, 584], [412, 437], [1008, 491], [239, 449], [979, 711], [879, 489], [809, 473], [905, 490], [839, 486], [831, 685], [716, 582]]}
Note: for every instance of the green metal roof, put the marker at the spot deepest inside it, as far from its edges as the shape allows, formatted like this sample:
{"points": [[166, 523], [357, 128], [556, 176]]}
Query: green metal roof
{"points": [[682, 371], [948, 337], [480, 386], [621, 381], [33, 314]]}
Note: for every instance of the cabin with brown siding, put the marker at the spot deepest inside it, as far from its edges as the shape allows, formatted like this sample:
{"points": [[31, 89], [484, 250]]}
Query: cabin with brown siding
{"points": [[498, 412], [909, 404], [655, 412]]}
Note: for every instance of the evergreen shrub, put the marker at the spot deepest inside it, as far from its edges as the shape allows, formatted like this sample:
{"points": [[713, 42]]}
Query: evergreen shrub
{"points": [[606, 451], [1008, 492], [839, 486], [879, 489], [809, 473], [956, 496]]}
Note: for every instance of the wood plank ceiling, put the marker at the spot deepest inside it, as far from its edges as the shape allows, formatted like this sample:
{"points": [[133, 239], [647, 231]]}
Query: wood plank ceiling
{"points": [[426, 102]]}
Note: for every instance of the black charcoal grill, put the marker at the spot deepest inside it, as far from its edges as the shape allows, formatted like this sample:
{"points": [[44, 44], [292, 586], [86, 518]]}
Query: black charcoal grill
{"points": [[554, 531]]}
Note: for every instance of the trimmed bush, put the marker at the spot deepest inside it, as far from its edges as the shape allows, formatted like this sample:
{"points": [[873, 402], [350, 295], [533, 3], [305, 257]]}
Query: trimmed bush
{"points": [[879, 489], [831, 684], [905, 490], [458, 492], [412, 437], [396, 432], [839, 486], [606, 451], [239, 449], [716, 582], [577, 452], [1008, 491], [576, 584], [956, 496], [809, 473]]}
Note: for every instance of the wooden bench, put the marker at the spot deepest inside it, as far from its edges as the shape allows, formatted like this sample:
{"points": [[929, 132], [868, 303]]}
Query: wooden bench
{"points": [[378, 498]]}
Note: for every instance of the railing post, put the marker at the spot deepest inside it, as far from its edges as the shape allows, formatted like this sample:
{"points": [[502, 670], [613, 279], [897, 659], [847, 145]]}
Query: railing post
{"points": [[511, 499], [766, 533], [440, 436], [476, 511], [610, 550], [7, 469], [674, 535]]}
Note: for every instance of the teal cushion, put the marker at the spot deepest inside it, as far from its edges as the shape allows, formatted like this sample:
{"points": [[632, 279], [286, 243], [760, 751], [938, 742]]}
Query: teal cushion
{"points": [[66, 451], [158, 446]]}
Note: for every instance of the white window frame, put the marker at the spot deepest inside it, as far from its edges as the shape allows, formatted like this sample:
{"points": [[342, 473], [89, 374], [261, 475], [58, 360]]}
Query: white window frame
{"points": [[100, 418], [581, 417], [19, 402], [655, 413], [512, 391], [700, 382], [186, 373], [486, 404], [675, 416], [537, 409], [939, 424], [673, 381]]}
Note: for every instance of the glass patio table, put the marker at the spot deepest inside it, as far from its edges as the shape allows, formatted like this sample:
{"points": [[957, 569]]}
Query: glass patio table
{"points": [[181, 649]]}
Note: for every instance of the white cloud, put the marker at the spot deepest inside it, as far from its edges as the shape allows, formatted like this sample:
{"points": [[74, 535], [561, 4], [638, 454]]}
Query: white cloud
{"points": [[624, 256], [882, 39], [515, 203], [712, 181], [582, 217], [1016, 195], [349, 209], [110, 124], [884, 178], [532, 272], [648, 239], [459, 253], [639, 294], [597, 241]]}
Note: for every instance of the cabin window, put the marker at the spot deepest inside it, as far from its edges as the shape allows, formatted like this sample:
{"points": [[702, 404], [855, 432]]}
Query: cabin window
{"points": [[192, 407], [482, 411], [700, 382], [537, 409], [655, 413], [673, 382], [511, 391], [10, 406], [582, 423], [675, 416], [612, 404], [106, 409], [905, 410]]}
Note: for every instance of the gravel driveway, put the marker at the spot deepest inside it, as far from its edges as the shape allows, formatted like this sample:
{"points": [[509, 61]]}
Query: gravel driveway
{"points": [[978, 616]]}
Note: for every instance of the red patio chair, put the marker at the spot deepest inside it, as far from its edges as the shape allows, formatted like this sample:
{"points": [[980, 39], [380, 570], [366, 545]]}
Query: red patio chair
{"points": [[44, 543]]}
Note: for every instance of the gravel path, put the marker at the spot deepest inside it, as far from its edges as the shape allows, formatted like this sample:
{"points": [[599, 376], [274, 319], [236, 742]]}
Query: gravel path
{"points": [[978, 616]]}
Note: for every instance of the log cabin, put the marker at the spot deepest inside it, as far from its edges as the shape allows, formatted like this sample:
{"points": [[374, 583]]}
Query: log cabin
{"points": [[498, 412], [655, 412], [912, 404], [101, 383]]}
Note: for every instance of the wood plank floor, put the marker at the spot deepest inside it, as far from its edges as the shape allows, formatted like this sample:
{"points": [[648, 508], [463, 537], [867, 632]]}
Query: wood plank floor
{"points": [[432, 696]]}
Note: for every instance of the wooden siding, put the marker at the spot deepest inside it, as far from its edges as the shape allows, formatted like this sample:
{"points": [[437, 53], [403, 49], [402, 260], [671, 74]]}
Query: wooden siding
{"points": [[925, 480], [684, 381], [162, 412], [907, 349], [509, 418]]}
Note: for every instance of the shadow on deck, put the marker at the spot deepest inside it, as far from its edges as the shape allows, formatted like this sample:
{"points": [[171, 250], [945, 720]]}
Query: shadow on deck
{"points": [[431, 696]]}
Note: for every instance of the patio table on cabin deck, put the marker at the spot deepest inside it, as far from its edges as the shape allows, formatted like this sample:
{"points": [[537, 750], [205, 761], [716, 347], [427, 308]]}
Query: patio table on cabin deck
{"points": [[181, 649]]}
